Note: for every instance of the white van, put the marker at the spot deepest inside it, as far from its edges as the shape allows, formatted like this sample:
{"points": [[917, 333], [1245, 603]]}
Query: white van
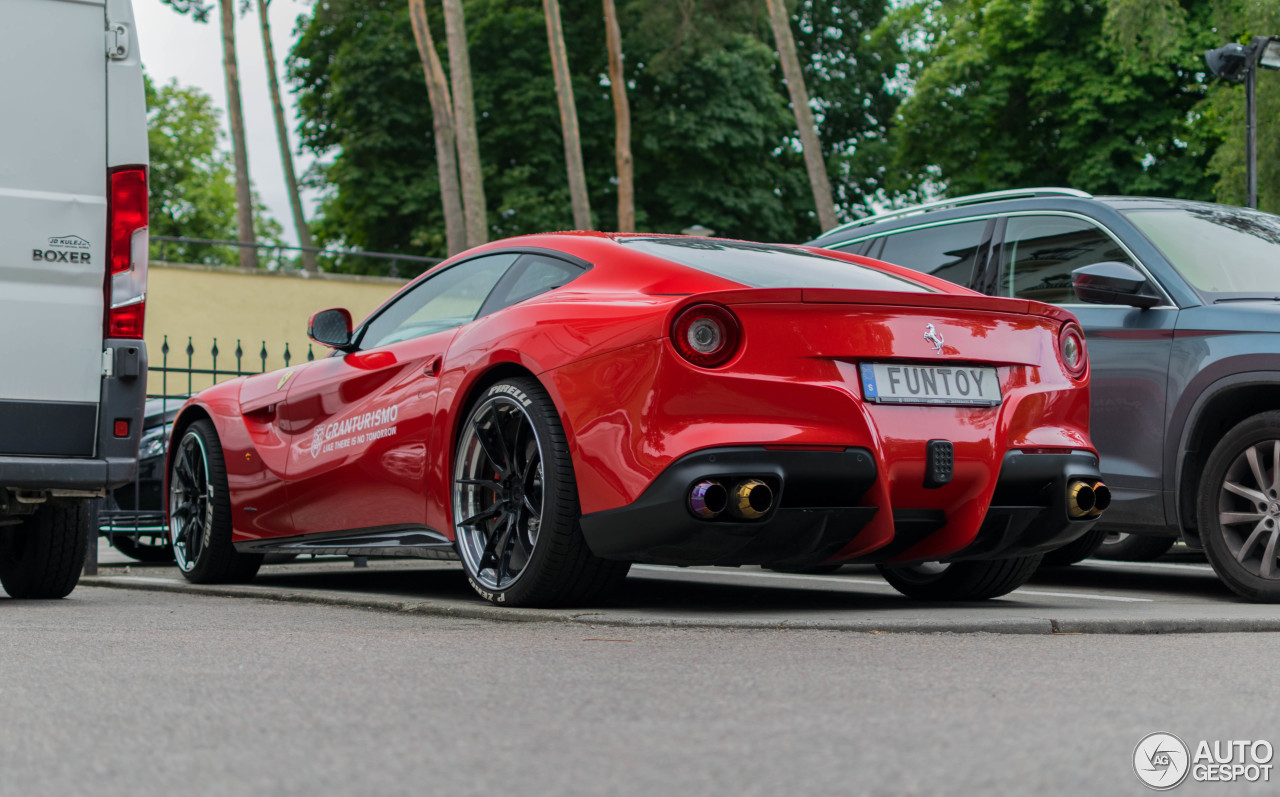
{"points": [[73, 274]]}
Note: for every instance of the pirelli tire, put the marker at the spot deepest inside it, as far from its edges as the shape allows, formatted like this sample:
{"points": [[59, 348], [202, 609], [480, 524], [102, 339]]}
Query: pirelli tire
{"points": [[515, 504], [42, 556], [961, 581], [200, 511]]}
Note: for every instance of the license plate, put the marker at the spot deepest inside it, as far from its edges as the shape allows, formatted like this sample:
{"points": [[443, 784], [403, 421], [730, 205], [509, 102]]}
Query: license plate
{"points": [[930, 384]]}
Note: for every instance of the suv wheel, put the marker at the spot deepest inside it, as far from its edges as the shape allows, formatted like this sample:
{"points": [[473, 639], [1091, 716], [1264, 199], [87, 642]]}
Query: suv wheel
{"points": [[1238, 508]]}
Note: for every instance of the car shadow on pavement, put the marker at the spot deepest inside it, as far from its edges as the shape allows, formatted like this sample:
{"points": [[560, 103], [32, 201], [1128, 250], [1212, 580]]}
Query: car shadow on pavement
{"points": [[638, 593]]}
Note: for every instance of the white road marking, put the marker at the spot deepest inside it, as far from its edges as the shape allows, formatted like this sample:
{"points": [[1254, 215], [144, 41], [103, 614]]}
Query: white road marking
{"points": [[1172, 567], [1084, 595], [863, 581]]}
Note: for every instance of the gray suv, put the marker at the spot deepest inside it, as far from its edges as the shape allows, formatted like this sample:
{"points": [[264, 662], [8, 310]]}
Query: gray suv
{"points": [[1180, 302]]}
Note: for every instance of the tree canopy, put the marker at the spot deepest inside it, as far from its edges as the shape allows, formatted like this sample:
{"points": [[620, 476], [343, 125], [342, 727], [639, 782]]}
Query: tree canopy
{"points": [[713, 140], [192, 183], [910, 98]]}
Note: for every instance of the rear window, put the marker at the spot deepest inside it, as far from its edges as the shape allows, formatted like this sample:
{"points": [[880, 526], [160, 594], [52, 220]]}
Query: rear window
{"points": [[766, 266]]}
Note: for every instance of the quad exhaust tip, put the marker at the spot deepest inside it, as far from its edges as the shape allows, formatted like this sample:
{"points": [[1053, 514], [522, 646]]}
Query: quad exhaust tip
{"points": [[708, 499], [750, 499], [1087, 499]]}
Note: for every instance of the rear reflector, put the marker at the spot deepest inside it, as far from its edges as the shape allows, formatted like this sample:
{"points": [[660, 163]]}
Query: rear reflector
{"points": [[122, 427]]}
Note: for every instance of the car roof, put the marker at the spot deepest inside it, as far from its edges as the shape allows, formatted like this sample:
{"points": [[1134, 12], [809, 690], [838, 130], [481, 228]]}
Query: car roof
{"points": [[996, 203]]}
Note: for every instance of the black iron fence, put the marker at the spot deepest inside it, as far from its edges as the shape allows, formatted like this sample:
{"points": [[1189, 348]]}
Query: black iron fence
{"points": [[275, 256], [132, 516], [181, 377]]}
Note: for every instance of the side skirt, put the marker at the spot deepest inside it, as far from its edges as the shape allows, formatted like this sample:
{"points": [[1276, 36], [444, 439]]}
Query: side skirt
{"points": [[419, 542]]}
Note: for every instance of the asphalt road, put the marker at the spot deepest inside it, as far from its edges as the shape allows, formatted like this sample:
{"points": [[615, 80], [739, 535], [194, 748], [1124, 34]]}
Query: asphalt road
{"points": [[123, 692], [1092, 597]]}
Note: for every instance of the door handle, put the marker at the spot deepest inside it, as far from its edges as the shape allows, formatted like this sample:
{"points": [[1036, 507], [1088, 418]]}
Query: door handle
{"points": [[433, 368]]}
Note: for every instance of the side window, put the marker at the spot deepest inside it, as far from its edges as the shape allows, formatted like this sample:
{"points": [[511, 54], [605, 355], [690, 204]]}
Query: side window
{"points": [[949, 252], [1040, 252], [442, 301], [532, 276]]}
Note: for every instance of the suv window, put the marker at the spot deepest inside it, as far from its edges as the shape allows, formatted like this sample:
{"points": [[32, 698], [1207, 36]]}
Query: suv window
{"points": [[948, 252], [442, 301], [1040, 252]]}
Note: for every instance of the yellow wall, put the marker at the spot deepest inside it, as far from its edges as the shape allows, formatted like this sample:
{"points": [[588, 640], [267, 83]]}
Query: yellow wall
{"points": [[208, 302]]}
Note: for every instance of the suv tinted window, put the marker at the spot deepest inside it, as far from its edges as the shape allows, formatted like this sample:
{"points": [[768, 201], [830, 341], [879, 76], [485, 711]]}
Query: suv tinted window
{"points": [[1040, 252], [948, 252], [448, 299]]}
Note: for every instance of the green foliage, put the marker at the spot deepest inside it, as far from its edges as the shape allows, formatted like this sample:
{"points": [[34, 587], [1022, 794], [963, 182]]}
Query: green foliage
{"points": [[1145, 27], [192, 184], [713, 140], [853, 59], [1033, 93]]}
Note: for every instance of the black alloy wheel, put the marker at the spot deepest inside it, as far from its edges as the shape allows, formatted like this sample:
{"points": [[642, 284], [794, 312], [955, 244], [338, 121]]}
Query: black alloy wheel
{"points": [[1238, 511], [200, 512], [515, 504]]}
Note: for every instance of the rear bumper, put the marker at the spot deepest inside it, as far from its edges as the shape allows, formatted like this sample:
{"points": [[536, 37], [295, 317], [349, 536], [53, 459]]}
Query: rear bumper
{"points": [[50, 473], [63, 457], [819, 511], [1028, 513], [815, 512]]}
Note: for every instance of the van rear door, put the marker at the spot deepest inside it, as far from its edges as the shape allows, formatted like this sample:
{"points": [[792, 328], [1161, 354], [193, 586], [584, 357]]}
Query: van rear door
{"points": [[53, 226]]}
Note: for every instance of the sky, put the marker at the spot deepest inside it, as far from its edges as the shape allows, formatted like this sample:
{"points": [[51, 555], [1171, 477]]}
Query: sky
{"points": [[175, 46]]}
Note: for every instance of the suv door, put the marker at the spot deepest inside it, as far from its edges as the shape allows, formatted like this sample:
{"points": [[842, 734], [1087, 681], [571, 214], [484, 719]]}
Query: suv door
{"points": [[1129, 350]]}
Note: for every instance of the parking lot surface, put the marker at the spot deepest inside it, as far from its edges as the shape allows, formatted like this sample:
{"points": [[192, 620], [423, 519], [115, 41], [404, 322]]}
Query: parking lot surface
{"points": [[1180, 594]]}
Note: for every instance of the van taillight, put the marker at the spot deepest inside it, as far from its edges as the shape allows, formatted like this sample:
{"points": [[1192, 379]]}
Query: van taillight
{"points": [[127, 252]]}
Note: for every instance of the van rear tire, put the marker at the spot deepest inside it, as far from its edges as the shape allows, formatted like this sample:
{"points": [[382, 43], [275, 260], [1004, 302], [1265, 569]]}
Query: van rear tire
{"points": [[42, 556]]}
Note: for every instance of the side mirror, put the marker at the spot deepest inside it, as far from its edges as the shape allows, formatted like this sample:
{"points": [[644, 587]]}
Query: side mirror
{"points": [[332, 328], [1112, 282]]}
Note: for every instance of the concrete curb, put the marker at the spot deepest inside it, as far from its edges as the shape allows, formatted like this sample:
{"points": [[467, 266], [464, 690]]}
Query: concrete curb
{"points": [[603, 617]]}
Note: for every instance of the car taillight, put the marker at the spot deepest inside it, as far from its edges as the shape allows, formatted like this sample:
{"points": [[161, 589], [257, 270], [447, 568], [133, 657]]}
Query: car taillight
{"points": [[126, 252], [706, 335], [1071, 350]]}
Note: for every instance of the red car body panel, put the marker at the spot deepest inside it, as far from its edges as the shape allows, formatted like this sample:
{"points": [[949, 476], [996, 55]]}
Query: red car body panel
{"points": [[365, 440]]}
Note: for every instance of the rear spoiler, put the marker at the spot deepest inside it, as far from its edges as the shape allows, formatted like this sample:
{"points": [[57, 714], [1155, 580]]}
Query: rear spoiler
{"points": [[968, 300]]}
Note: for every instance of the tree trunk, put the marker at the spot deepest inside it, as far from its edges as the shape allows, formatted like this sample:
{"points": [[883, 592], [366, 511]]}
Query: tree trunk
{"points": [[286, 152], [442, 124], [244, 195], [780, 19], [622, 119], [568, 118], [464, 120]]}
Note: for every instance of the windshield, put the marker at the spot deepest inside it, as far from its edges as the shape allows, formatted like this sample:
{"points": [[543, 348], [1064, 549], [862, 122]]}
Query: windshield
{"points": [[765, 266], [1219, 250]]}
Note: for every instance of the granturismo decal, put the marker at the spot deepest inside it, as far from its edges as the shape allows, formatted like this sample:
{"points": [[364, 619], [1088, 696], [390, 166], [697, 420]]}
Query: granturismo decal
{"points": [[356, 430]]}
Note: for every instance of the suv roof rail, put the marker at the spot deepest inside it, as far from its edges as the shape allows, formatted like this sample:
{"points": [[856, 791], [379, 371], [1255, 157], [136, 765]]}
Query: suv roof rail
{"points": [[972, 199]]}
